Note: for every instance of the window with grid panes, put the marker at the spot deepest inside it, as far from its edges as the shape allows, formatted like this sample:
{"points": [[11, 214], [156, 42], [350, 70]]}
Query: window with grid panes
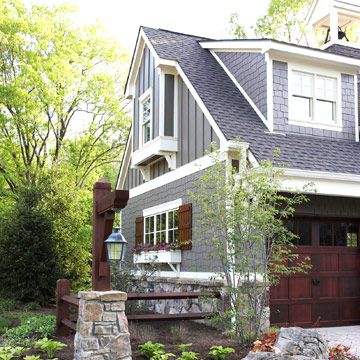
{"points": [[162, 228]]}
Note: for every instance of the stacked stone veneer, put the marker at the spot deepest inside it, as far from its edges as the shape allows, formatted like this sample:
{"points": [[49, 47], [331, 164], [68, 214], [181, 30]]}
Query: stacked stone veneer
{"points": [[102, 328], [182, 306]]}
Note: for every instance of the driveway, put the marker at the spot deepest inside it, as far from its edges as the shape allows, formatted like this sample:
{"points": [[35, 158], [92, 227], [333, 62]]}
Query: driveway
{"points": [[344, 335]]}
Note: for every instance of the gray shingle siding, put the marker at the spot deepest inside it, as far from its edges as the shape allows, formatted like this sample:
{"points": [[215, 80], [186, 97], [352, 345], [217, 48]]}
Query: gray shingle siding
{"points": [[192, 260], [249, 69], [281, 107]]}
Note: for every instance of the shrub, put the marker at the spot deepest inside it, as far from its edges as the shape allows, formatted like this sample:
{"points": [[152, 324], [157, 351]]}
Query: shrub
{"points": [[31, 306], [49, 347], [28, 267], [7, 304], [4, 324], [219, 352], [150, 348]]}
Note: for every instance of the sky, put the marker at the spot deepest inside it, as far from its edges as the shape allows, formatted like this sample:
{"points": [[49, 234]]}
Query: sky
{"points": [[209, 18]]}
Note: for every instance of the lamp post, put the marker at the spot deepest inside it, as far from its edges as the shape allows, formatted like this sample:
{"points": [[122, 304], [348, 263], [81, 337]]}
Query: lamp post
{"points": [[116, 244]]}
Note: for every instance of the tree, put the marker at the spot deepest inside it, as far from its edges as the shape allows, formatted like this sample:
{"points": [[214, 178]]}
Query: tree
{"points": [[29, 262], [284, 21], [236, 29], [53, 76], [244, 223]]}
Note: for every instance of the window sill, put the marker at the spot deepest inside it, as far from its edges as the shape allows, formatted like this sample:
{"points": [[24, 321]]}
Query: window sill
{"points": [[316, 125]]}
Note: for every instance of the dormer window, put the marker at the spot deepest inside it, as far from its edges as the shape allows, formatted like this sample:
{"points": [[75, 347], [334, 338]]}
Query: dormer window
{"points": [[314, 99], [145, 117]]}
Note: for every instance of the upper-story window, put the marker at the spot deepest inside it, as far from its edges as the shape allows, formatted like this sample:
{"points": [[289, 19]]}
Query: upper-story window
{"points": [[314, 99], [146, 117]]}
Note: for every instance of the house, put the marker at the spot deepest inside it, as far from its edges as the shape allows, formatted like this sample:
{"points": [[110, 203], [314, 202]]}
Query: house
{"points": [[188, 91]]}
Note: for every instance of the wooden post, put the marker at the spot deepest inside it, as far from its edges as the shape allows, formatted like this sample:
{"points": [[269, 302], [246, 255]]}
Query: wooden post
{"points": [[62, 308], [100, 268]]}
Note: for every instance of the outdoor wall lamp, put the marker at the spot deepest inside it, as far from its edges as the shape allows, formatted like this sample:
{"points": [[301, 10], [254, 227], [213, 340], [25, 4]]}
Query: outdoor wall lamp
{"points": [[116, 244]]}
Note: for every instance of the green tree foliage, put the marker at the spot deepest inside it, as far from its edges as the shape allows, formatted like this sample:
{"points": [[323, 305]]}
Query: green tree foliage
{"points": [[54, 75], [62, 121], [29, 263], [236, 29], [284, 20], [244, 223]]}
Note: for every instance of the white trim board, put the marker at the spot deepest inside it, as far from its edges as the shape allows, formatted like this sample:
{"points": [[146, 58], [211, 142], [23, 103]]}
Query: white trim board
{"points": [[170, 205], [325, 183], [356, 105], [125, 163], [242, 90]]}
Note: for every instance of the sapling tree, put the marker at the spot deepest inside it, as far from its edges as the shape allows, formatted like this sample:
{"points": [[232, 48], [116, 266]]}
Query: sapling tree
{"points": [[242, 215]]}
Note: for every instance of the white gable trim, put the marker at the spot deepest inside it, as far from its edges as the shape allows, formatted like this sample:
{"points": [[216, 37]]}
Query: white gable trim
{"points": [[285, 51], [125, 163], [243, 92]]}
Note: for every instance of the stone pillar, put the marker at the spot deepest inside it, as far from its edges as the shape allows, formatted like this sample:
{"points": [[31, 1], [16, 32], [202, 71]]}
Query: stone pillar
{"points": [[102, 327]]}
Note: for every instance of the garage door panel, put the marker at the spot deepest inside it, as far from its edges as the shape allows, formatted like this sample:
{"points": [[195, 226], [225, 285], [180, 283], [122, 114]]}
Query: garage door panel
{"points": [[326, 311], [350, 286], [280, 291], [351, 310], [328, 287], [300, 288], [279, 314], [328, 262], [301, 313], [349, 262]]}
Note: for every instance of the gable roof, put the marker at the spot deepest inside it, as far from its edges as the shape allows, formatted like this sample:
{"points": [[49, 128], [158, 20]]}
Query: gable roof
{"points": [[237, 119]]}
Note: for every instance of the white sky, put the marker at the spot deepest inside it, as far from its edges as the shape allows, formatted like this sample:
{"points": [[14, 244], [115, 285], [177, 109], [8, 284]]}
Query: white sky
{"points": [[210, 18]]}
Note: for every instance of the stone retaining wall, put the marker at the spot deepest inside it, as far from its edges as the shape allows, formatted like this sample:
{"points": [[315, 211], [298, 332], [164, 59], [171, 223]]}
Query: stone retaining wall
{"points": [[102, 327]]}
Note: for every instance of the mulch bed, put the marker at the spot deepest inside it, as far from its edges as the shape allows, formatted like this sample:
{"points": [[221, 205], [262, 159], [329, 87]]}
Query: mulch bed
{"points": [[170, 334]]}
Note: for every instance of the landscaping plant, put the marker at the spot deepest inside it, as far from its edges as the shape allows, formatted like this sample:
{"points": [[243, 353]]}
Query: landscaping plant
{"points": [[161, 355], [219, 352], [243, 223], [9, 352], [149, 349], [266, 343], [49, 347], [4, 324], [184, 347], [189, 355], [340, 352], [7, 304], [32, 357]]}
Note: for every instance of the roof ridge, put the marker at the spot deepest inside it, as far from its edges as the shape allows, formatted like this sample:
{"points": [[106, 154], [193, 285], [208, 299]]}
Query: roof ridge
{"points": [[180, 33]]}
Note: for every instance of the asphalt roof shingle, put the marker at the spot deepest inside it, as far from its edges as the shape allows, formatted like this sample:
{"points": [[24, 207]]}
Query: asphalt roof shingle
{"points": [[237, 119]]}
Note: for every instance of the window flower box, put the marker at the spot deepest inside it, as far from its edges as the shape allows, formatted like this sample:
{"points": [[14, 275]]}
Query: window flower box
{"points": [[158, 257]]}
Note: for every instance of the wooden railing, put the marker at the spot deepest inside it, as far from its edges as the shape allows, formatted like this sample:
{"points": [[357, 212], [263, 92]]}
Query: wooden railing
{"points": [[64, 325]]}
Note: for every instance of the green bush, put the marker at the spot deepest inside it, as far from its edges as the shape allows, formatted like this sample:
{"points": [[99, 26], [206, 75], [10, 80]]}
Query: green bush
{"points": [[149, 349], [28, 267], [31, 306], [7, 304], [219, 352], [189, 355], [4, 324]]}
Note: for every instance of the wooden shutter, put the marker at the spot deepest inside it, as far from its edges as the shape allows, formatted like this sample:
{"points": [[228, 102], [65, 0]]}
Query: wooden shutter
{"points": [[185, 226], [139, 231]]}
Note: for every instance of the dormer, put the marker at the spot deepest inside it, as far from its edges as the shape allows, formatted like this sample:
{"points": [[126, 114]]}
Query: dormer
{"points": [[331, 19], [152, 88]]}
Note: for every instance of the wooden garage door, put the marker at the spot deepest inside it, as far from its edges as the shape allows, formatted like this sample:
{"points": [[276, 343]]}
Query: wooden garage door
{"points": [[329, 294]]}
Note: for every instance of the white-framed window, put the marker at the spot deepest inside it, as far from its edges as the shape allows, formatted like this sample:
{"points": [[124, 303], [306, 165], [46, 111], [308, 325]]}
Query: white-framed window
{"points": [[161, 223], [162, 228], [314, 98], [145, 124]]}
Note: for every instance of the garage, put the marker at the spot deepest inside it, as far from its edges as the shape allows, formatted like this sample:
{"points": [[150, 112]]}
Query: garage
{"points": [[329, 294]]}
